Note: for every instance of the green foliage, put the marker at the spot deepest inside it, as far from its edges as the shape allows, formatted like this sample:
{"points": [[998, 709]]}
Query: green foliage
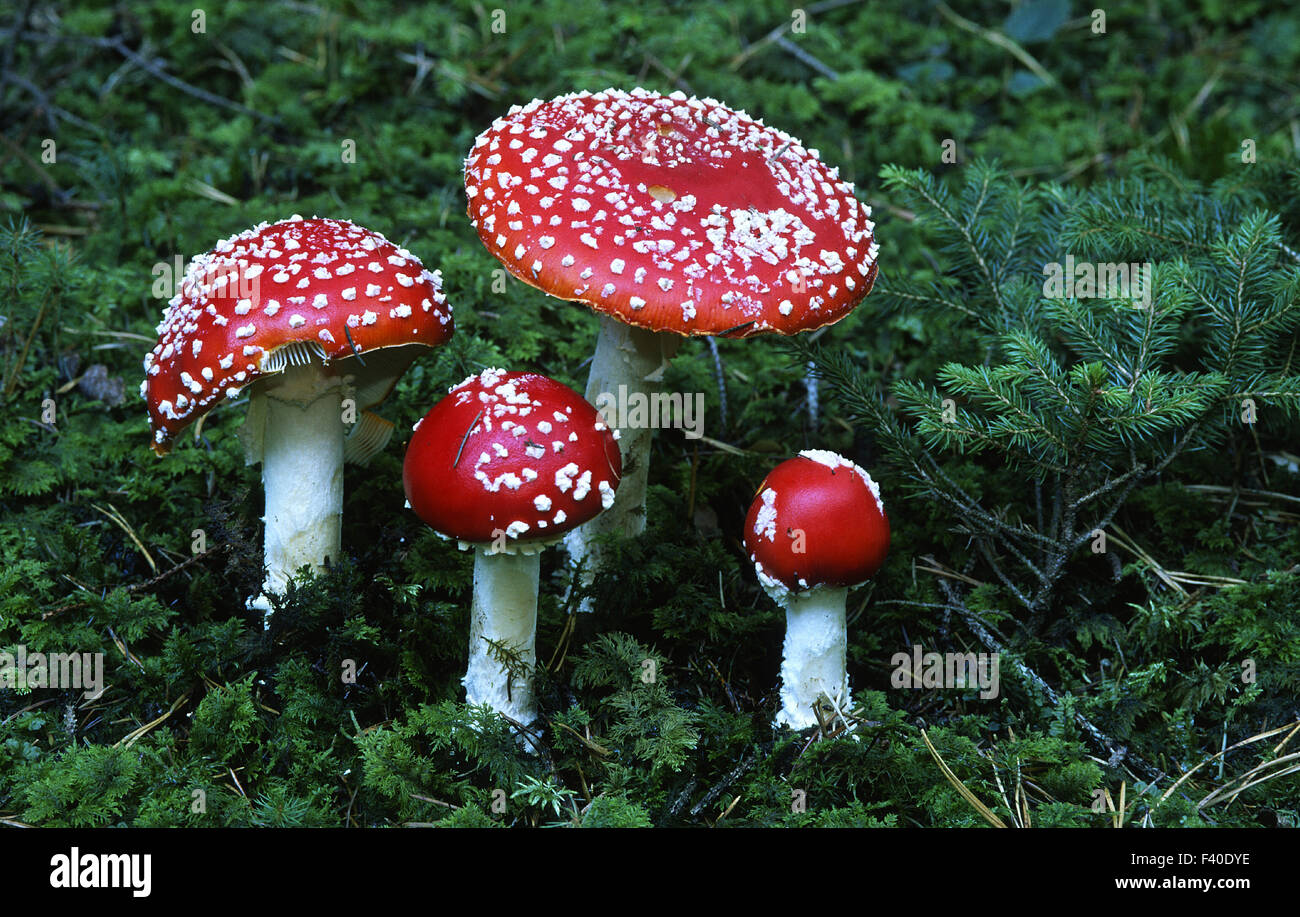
{"points": [[615, 812], [1074, 418], [642, 719], [1079, 384]]}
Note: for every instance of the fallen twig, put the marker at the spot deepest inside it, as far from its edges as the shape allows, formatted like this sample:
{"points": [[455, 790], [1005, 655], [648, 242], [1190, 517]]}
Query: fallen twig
{"points": [[145, 585], [745, 764], [1002, 41], [1114, 749]]}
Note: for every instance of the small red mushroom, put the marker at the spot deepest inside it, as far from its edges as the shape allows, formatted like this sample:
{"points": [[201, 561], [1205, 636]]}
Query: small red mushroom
{"points": [[667, 215], [307, 315], [507, 463], [816, 529]]}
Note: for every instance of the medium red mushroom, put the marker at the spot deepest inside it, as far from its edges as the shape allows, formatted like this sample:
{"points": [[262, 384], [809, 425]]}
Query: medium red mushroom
{"points": [[507, 463], [816, 529], [665, 214], [305, 314]]}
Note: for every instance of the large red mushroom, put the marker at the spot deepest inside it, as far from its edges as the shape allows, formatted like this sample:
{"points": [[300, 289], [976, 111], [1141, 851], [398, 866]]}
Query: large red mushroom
{"points": [[668, 216], [816, 529], [305, 315], [507, 463]]}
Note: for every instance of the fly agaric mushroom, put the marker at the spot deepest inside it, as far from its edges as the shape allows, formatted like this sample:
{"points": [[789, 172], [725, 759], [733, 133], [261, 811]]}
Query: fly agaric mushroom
{"points": [[507, 463], [309, 313], [665, 214], [816, 529]]}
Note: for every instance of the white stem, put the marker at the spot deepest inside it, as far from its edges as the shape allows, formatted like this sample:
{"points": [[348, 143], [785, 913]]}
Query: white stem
{"points": [[634, 359], [302, 475], [813, 660], [504, 611]]}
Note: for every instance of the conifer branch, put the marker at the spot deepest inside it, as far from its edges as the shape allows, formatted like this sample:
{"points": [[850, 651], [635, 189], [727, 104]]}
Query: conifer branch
{"points": [[1116, 752], [1006, 580]]}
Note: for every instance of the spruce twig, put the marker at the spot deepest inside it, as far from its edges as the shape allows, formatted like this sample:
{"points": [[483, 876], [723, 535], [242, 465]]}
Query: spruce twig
{"points": [[1117, 752]]}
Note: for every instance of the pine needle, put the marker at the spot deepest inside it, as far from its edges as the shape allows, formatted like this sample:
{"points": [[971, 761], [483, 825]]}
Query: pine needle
{"points": [[130, 738], [985, 812], [1293, 727], [117, 518]]}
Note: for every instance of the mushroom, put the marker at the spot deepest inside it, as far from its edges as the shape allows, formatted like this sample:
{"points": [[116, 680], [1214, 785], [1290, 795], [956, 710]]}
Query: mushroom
{"points": [[507, 463], [668, 216], [816, 529], [305, 314]]}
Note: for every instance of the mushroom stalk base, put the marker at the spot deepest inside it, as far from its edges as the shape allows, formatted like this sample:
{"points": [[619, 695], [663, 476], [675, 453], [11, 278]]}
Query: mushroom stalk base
{"points": [[813, 660], [624, 373], [302, 475], [503, 612]]}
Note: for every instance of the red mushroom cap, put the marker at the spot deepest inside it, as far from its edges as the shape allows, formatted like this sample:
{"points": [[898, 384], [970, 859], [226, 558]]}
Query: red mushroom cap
{"points": [[328, 284], [670, 213], [825, 505], [510, 452]]}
